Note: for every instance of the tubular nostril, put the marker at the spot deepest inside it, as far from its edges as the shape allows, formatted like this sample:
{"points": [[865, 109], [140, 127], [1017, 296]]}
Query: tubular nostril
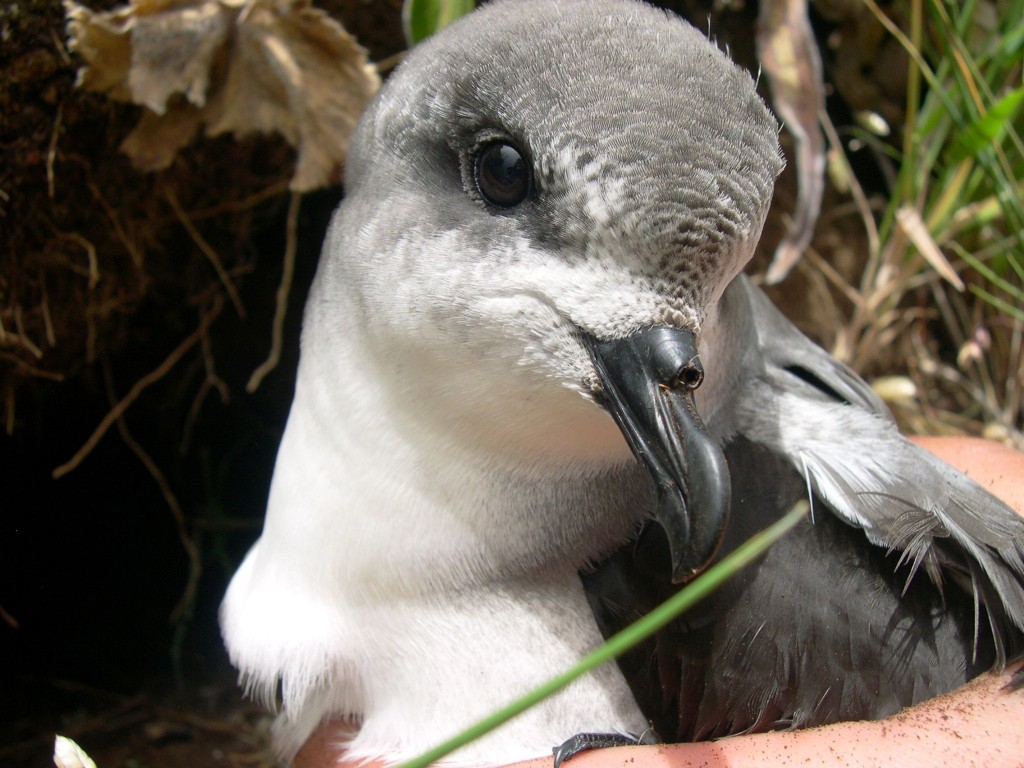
{"points": [[689, 376], [674, 362]]}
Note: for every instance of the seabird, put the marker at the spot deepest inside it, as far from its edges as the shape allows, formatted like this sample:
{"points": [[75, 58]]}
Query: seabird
{"points": [[527, 337]]}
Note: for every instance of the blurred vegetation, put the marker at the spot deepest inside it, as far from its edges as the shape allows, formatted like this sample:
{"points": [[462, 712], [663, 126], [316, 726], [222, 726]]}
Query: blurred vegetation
{"points": [[944, 275], [422, 18]]}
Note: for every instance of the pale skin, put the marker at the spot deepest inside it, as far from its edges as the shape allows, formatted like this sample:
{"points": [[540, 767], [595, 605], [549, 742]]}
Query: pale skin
{"points": [[981, 724]]}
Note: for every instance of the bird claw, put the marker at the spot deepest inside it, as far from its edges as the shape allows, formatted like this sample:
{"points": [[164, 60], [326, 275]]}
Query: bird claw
{"points": [[582, 742]]}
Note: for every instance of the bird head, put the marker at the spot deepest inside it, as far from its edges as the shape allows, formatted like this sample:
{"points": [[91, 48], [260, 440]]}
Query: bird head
{"points": [[544, 206]]}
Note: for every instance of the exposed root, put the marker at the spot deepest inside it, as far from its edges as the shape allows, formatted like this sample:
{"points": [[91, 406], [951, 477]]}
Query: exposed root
{"points": [[8, 619], [51, 152], [211, 382], [237, 206], [21, 338], [207, 250], [90, 252], [283, 289], [191, 550], [115, 220], [139, 387]]}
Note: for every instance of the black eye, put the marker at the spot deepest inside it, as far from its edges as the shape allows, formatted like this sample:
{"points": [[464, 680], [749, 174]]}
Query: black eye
{"points": [[502, 174]]}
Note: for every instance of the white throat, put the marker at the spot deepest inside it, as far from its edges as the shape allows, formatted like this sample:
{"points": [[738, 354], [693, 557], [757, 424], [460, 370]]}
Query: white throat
{"points": [[405, 582]]}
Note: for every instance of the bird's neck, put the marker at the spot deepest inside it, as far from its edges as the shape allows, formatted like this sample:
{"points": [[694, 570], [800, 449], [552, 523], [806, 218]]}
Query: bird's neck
{"points": [[433, 668], [400, 498], [414, 585]]}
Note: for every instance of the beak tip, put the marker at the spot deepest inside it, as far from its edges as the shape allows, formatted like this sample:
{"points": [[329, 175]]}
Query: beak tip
{"points": [[648, 381], [688, 565]]}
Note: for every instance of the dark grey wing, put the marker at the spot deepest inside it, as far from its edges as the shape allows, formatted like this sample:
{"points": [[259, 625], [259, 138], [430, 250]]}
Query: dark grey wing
{"points": [[820, 630], [829, 426], [783, 347]]}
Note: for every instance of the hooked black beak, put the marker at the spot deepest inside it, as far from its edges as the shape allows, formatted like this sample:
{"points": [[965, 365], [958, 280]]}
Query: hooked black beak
{"points": [[649, 379]]}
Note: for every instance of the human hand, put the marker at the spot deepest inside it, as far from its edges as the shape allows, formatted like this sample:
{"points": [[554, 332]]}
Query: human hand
{"points": [[981, 724]]}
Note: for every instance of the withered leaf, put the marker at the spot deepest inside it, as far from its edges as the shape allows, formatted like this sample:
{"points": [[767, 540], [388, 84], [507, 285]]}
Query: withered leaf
{"points": [[156, 139], [229, 65], [790, 58], [173, 53]]}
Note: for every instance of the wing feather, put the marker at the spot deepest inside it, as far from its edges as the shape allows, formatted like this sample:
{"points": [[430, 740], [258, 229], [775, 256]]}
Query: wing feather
{"points": [[825, 421]]}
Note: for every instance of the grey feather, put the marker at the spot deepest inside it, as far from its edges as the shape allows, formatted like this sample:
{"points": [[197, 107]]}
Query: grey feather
{"points": [[903, 497]]}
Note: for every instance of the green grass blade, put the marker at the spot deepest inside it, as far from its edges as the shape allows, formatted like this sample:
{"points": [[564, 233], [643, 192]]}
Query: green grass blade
{"points": [[1012, 310], [982, 132], [422, 18], [635, 633], [1000, 282]]}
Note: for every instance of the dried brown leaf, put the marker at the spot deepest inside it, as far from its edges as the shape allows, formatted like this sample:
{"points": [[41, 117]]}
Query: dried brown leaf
{"points": [[289, 67], [156, 139], [790, 58], [173, 53], [270, 66], [909, 220], [100, 38]]}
